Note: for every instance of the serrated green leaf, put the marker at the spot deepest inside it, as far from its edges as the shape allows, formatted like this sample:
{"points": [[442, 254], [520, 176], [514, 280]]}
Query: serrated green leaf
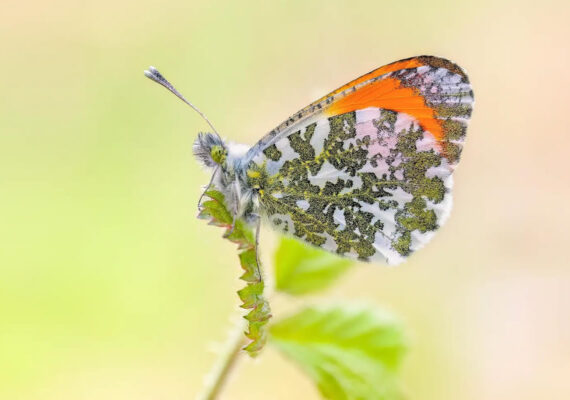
{"points": [[214, 208], [241, 235], [301, 269], [260, 313], [257, 345], [248, 262], [350, 352], [216, 195], [250, 294]]}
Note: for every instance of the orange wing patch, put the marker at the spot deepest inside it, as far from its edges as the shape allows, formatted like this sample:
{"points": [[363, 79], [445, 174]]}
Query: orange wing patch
{"points": [[435, 98], [391, 95], [396, 66]]}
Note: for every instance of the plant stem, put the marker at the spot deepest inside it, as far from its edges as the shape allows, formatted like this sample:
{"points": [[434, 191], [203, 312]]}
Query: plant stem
{"points": [[224, 364]]}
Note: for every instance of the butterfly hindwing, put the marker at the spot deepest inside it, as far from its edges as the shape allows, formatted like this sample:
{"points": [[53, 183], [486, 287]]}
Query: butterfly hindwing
{"points": [[366, 172]]}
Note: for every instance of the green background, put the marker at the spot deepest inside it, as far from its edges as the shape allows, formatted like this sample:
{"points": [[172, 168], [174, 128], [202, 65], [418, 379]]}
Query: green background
{"points": [[111, 289]]}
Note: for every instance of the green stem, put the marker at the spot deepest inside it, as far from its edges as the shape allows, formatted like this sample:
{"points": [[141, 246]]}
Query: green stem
{"points": [[224, 365]]}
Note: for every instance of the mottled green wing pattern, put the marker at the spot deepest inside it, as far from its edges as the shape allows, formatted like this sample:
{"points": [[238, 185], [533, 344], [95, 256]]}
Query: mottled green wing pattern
{"points": [[374, 183]]}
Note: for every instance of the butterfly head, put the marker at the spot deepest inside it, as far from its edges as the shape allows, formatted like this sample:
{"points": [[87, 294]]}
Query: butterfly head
{"points": [[228, 175], [210, 150]]}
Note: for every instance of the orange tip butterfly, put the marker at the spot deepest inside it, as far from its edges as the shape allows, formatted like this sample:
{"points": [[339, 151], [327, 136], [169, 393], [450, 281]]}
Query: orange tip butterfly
{"points": [[364, 172]]}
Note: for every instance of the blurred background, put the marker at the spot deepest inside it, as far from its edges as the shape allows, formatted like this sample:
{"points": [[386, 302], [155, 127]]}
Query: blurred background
{"points": [[110, 288]]}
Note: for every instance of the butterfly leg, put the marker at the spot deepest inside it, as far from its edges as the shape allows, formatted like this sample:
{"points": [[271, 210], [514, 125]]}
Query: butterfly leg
{"points": [[207, 188], [258, 262], [234, 221]]}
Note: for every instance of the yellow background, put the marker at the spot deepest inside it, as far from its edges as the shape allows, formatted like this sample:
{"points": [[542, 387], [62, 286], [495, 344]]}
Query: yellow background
{"points": [[111, 289]]}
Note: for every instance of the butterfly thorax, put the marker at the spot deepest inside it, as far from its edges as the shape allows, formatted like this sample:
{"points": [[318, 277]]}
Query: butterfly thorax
{"points": [[229, 174]]}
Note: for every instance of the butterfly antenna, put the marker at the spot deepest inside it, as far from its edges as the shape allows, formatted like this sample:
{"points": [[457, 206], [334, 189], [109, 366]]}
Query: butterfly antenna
{"points": [[153, 74]]}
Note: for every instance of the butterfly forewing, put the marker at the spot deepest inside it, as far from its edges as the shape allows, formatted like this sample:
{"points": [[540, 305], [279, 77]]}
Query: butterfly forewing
{"points": [[366, 171]]}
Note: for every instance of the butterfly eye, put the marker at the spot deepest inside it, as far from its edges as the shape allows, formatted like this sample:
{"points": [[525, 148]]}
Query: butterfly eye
{"points": [[218, 154]]}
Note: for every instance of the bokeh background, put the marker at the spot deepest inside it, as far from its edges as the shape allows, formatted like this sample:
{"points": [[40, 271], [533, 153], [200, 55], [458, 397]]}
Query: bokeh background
{"points": [[111, 289]]}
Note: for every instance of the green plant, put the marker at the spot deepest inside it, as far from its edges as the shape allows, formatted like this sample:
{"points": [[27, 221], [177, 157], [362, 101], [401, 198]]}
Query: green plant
{"points": [[350, 351]]}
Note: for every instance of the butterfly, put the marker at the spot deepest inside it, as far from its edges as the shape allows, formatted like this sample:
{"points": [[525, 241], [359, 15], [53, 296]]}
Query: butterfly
{"points": [[365, 172]]}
